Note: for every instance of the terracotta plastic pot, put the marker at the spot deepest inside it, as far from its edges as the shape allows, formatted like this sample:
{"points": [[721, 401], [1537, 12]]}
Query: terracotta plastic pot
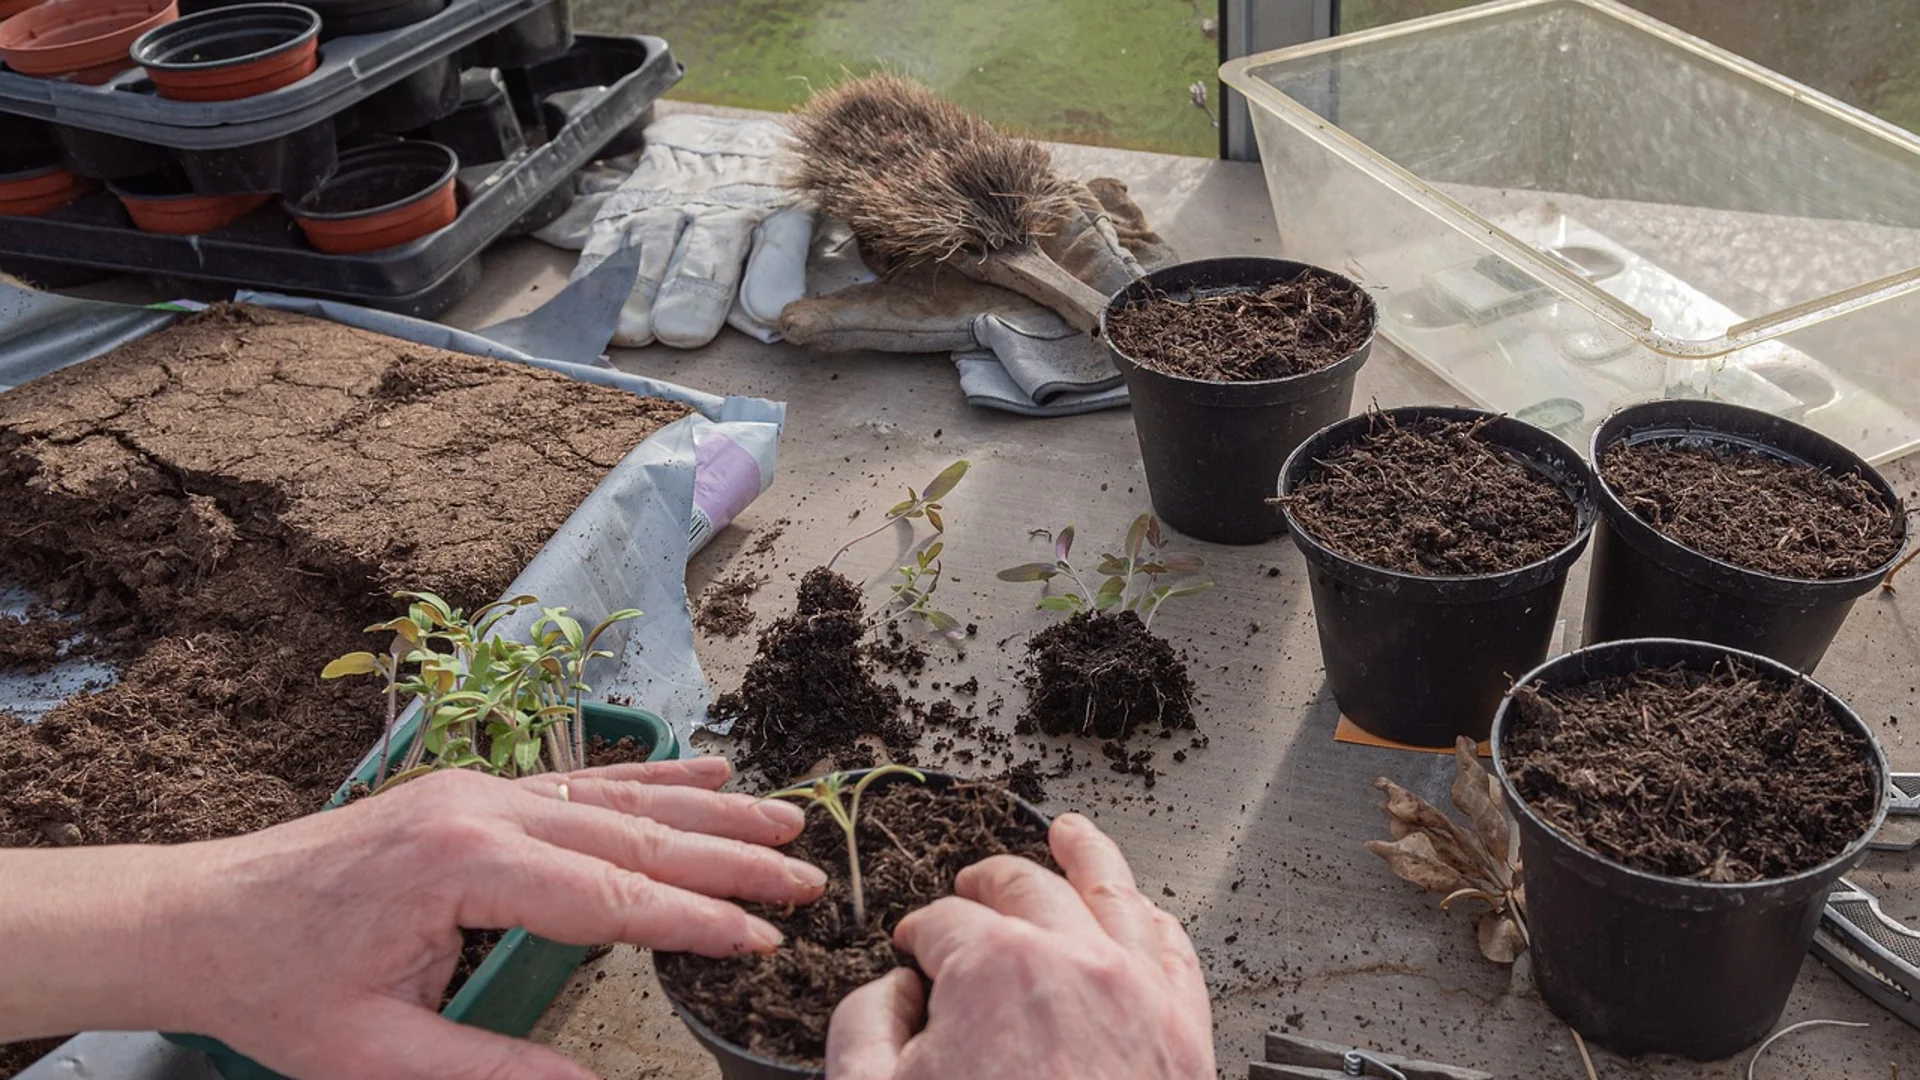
{"points": [[32, 192], [381, 196], [232, 52], [166, 203], [83, 40], [10, 8]]}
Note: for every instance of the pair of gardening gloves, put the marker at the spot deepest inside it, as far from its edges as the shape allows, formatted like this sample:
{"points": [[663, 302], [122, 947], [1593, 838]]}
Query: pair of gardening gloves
{"points": [[722, 240]]}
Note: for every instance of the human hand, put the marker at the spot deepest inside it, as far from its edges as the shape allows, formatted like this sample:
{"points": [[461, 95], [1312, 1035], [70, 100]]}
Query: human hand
{"points": [[1035, 975], [328, 942]]}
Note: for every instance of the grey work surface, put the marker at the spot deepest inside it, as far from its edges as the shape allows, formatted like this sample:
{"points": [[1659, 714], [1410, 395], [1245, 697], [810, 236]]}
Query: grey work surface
{"points": [[1324, 938]]}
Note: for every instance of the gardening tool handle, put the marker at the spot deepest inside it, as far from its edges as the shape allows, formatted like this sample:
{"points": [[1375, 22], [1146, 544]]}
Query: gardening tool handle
{"points": [[1876, 953], [1029, 272]]}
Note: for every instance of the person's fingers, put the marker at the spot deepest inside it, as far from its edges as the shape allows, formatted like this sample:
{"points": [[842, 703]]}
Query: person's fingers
{"points": [[771, 822], [1024, 889], [390, 1040], [712, 865], [1100, 874], [932, 934], [576, 899], [872, 1025], [1181, 963], [709, 771]]}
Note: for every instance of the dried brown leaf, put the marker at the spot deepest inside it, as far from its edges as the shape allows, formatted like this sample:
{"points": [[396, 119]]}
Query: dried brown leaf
{"points": [[1501, 939], [1478, 796], [1408, 814], [1493, 901], [1414, 859]]}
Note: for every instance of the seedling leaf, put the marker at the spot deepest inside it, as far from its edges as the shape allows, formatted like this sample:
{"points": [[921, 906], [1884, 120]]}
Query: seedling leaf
{"points": [[1063, 544], [1033, 571], [356, 663], [949, 478]]}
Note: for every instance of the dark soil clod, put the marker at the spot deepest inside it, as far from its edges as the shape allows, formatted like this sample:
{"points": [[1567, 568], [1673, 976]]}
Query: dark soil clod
{"points": [[1103, 676], [1722, 776], [1433, 497], [1241, 335], [723, 606], [778, 1005], [1756, 510]]}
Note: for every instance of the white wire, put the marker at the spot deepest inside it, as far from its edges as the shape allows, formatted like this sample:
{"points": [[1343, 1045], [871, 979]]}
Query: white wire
{"points": [[1790, 1029]]}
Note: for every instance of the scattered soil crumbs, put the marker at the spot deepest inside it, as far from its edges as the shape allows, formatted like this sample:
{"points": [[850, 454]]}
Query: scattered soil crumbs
{"points": [[769, 536], [778, 1006], [810, 692], [622, 751], [723, 606], [1433, 497], [227, 503], [15, 1057], [1724, 776], [33, 644], [1755, 510], [1027, 781], [1103, 675], [897, 654], [1288, 328]]}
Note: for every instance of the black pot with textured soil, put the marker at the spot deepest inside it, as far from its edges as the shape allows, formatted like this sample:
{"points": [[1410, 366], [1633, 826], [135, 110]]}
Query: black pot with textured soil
{"points": [[1437, 543], [1730, 525], [1230, 364], [1683, 810], [765, 1017]]}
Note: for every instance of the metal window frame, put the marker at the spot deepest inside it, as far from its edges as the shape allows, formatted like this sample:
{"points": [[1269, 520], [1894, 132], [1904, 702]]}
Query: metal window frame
{"points": [[1254, 26]]}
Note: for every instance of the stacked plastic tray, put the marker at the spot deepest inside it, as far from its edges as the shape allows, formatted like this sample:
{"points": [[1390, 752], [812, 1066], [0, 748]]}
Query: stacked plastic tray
{"points": [[521, 100]]}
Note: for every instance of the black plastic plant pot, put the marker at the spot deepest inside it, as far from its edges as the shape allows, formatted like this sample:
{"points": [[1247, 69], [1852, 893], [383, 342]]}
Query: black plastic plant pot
{"points": [[99, 156], [737, 1062], [1644, 584], [413, 102], [483, 129], [531, 39], [1212, 449], [292, 165], [25, 143], [1423, 660], [341, 18], [230, 53], [1643, 963]]}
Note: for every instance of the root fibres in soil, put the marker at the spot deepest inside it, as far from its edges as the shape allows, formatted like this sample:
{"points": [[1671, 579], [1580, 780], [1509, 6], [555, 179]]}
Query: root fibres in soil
{"points": [[1105, 676], [226, 504], [1433, 497], [1242, 335], [1721, 776], [1756, 510], [811, 693], [913, 843]]}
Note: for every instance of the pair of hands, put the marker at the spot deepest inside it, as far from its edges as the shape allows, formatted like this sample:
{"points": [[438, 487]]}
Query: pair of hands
{"points": [[321, 947]]}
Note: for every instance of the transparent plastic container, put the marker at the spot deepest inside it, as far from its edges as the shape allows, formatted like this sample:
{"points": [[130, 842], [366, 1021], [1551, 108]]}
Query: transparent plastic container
{"points": [[1568, 206]]}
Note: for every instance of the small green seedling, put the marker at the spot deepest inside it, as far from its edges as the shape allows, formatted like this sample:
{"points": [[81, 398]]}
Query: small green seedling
{"points": [[1129, 581], [487, 701], [912, 595], [825, 793]]}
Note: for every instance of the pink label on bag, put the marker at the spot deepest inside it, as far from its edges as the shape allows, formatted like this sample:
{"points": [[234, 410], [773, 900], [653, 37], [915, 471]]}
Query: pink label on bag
{"points": [[726, 478]]}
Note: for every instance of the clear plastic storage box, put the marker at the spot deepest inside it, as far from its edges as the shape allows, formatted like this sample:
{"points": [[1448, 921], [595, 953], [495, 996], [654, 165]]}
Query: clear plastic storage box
{"points": [[1568, 206]]}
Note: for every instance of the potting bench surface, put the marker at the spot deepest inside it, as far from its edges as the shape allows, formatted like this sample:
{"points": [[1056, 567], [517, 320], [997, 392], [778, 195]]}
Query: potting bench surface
{"points": [[1256, 840]]}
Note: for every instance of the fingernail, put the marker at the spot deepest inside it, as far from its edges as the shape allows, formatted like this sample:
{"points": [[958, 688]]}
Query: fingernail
{"points": [[761, 936], [782, 814], [806, 875]]}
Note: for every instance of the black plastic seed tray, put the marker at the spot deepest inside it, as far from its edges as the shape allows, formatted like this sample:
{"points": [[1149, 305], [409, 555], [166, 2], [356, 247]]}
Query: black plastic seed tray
{"points": [[351, 70], [598, 95]]}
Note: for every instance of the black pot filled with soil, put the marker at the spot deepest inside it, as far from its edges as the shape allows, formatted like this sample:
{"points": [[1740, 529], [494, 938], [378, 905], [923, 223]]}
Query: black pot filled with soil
{"points": [[1725, 524], [1230, 364], [1683, 809], [765, 1017], [1437, 542]]}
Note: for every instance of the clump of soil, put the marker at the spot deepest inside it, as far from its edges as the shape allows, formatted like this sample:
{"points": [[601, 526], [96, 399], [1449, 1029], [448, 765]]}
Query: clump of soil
{"points": [[723, 606], [810, 693], [1722, 776], [896, 654], [1756, 510], [15, 1057], [778, 1006], [227, 504], [1103, 675], [1433, 497], [35, 643], [1286, 328], [623, 751]]}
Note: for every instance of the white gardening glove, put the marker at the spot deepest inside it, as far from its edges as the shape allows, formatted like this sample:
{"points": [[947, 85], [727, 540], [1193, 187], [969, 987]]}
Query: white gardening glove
{"points": [[721, 238]]}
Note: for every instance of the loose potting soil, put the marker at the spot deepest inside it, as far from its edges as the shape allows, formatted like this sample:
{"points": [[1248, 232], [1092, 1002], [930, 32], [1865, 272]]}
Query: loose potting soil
{"points": [[810, 691], [227, 504], [912, 845], [1286, 328], [1755, 510], [1103, 675], [1433, 497], [1726, 776]]}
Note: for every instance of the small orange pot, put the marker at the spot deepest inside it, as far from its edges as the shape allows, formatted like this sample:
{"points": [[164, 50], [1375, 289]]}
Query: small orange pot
{"points": [[33, 192], [381, 196], [83, 40], [167, 204], [231, 52]]}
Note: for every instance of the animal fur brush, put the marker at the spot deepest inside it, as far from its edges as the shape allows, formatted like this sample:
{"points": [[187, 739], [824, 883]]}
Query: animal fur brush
{"points": [[921, 180]]}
